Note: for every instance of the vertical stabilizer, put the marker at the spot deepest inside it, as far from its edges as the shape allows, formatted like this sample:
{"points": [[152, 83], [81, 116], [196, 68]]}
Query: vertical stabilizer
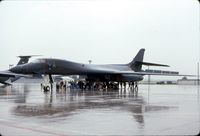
{"points": [[136, 64]]}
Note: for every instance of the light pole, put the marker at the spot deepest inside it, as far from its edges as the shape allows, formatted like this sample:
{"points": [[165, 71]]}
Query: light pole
{"points": [[198, 73], [199, 50]]}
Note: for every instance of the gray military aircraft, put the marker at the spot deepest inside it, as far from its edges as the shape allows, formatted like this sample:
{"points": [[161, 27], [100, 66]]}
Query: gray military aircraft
{"points": [[130, 72]]}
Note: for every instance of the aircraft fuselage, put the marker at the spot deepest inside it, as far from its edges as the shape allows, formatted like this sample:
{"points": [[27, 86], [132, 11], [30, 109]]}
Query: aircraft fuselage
{"points": [[64, 67]]}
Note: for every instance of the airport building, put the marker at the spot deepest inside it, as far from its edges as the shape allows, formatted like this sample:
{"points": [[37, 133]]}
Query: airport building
{"points": [[185, 81]]}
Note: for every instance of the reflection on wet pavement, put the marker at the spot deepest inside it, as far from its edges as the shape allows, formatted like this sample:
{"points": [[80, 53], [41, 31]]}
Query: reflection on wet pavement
{"points": [[166, 110]]}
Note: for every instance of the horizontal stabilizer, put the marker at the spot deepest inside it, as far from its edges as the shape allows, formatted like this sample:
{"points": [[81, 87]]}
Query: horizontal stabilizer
{"points": [[151, 64]]}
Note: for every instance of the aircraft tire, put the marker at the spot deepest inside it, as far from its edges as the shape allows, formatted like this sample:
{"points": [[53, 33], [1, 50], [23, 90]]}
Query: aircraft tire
{"points": [[46, 88]]}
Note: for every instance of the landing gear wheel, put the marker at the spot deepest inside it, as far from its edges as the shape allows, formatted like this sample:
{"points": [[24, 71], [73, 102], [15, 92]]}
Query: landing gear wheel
{"points": [[46, 88]]}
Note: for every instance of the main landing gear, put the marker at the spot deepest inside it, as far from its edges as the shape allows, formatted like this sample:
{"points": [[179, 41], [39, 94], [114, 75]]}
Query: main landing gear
{"points": [[47, 80]]}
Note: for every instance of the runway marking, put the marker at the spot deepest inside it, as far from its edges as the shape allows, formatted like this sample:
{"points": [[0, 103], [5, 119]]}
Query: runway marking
{"points": [[30, 129]]}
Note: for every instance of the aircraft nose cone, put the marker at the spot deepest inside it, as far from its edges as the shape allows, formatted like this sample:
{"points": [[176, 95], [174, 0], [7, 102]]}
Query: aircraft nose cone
{"points": [[16, 69]]}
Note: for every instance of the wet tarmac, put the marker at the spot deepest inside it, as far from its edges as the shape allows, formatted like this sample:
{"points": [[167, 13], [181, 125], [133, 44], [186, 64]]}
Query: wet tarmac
{"points": [[154, 110]]}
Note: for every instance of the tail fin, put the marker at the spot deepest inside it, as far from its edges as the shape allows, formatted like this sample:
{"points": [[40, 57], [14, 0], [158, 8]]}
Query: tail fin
{"points": [[134, 64], [137, 62], [25, 59]]}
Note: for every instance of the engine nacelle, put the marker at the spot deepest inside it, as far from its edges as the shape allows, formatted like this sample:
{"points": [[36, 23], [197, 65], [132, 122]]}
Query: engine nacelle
{"points": [[129, 77]]}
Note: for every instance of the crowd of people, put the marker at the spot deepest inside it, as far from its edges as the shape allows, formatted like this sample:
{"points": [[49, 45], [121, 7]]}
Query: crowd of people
{"points": [[87, 85]]}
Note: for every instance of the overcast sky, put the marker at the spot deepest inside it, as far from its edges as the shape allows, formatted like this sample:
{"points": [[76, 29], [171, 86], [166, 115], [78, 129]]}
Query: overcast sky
{"points": [[105, 31]]}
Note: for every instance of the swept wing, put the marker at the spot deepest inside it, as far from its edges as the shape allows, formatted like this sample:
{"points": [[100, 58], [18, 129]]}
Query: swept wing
{"points": [[11, 74]]}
